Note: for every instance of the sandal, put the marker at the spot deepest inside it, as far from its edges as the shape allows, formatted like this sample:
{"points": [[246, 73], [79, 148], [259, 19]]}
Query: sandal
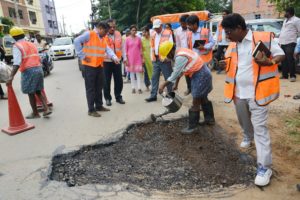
{"points": [[33, 116], [46, 113], [296, 97]]}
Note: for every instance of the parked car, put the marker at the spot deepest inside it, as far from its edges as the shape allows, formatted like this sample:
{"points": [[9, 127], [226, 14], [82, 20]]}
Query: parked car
{"points": [[7, 41], [269, 25], [62, 48]]}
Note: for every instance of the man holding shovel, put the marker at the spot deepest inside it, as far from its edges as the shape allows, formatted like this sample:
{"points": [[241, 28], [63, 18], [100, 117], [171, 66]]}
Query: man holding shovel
{"points": [[189, 63]]}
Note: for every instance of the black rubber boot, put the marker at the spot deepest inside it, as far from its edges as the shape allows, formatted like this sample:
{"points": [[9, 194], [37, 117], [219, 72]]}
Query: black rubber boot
{"points": [[194, 117], [208, 111]]}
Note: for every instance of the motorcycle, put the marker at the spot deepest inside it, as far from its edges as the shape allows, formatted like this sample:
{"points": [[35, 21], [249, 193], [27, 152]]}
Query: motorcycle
{"points": [[46, 61]]}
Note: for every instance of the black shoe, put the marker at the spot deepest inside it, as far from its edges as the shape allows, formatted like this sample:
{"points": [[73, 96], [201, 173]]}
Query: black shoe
{"points": [[150, 99], [108, 102], [102, 108], [120, 101]]}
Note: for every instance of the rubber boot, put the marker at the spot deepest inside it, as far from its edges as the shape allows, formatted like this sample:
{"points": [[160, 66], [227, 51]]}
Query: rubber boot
{"points": [[208, 112], [194, 117]]}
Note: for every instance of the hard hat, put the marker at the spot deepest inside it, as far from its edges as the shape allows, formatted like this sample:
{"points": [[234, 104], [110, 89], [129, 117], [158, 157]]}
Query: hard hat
{"points": [[15, 31], [165, 48], [156, 23]]}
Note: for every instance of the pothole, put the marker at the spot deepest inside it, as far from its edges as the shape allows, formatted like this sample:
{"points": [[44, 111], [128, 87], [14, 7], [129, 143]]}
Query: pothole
{"points": [[156, 156]]}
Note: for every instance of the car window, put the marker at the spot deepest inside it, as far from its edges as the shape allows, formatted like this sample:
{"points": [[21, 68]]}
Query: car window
{"points": [[62, 41], [8, 42], [271, 28]]}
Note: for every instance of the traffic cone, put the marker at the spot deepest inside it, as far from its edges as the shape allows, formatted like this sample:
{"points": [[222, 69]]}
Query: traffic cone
{"points": [[17, 123], [39, 104]]}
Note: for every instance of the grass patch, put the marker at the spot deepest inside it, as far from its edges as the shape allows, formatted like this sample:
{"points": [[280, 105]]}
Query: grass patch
{"points": [[293, 128]]}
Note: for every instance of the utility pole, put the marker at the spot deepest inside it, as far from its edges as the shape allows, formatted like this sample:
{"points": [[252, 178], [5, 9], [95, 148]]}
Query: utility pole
{"points": [[109, 9], [17, 12], [64, 25]]}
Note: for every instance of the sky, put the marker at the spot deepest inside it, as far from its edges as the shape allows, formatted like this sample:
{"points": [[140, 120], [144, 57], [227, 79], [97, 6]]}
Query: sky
{"points": [[76, 14]]}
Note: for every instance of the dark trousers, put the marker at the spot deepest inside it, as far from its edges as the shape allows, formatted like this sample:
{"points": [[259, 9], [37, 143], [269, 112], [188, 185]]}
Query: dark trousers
{"points": [[115, 70], [188, 83], [288, 65], [1, 91], [146, 77], [94, 79]]}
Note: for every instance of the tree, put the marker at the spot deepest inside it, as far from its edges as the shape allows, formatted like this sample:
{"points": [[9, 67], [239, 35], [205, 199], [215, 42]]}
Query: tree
{"points": [[217, 6], [8, 22], [139, 12], [281, 5]]}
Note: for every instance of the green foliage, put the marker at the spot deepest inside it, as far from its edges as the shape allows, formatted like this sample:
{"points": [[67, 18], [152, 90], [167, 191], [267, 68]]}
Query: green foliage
{"points": [[281, 5], [8, 22], [217, 6], [125, 11], [293, 126]]}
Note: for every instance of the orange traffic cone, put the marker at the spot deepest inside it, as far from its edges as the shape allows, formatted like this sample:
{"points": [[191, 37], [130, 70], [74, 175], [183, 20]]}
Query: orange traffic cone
{"points": [[17, 123], [39, 104]]}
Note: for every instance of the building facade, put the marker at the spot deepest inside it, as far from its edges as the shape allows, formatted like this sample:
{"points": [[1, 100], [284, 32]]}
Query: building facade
{"points": [[49, 17], [254, 9], [26, 14]]}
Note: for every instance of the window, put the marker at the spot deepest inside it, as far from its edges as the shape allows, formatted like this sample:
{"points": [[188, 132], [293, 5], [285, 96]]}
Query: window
{"points": [[12, 12], [32, 17], [30, 2], [54, 24], [20, 14], [257, 3], [50, 23], [47, 9], [257, 16]]}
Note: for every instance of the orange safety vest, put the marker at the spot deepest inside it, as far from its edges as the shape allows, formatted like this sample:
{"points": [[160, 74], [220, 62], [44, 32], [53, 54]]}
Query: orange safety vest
{"points": [[194, 64], [30, 56], [165, 36], [265, 78], [95, 50], [115, 44], [220, 30], [206, 55]]}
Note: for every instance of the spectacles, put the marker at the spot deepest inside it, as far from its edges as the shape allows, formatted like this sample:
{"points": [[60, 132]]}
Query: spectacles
{"points": [[228, 32]]}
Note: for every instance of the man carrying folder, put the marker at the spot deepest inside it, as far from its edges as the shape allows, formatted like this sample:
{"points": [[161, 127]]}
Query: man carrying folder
{"points": [[252, 83]]}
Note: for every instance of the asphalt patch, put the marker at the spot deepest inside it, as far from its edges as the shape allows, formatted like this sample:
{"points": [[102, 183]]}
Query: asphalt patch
{"points": [[156, 156]]}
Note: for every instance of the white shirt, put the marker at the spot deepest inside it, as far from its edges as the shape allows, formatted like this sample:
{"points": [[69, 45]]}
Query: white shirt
{"points": [[224, 41], [244, 78], [207, 46], [157, 40], [181, 38], [290, 31]]}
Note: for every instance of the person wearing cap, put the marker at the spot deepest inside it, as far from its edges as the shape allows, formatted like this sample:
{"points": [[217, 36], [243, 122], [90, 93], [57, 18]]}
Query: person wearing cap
{"points": [[26, 59], [189, 63], [159, 36]]}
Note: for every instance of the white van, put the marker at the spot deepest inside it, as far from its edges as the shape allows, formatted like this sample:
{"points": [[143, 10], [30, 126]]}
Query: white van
{"points": [[62, 48]]}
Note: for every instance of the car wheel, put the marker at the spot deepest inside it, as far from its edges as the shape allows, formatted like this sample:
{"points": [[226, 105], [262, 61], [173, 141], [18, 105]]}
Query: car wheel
{"points": [[73, 55]]}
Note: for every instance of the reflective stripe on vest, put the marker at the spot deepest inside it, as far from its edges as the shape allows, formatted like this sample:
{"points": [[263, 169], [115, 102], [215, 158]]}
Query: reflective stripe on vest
{"points": [[265, 78], [165, 36], [95, 50], [115, 44], [194, 64], [30, 56]]}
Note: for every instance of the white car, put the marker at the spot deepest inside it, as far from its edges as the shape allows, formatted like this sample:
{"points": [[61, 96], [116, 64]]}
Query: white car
{"points": [[62, 48]]}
